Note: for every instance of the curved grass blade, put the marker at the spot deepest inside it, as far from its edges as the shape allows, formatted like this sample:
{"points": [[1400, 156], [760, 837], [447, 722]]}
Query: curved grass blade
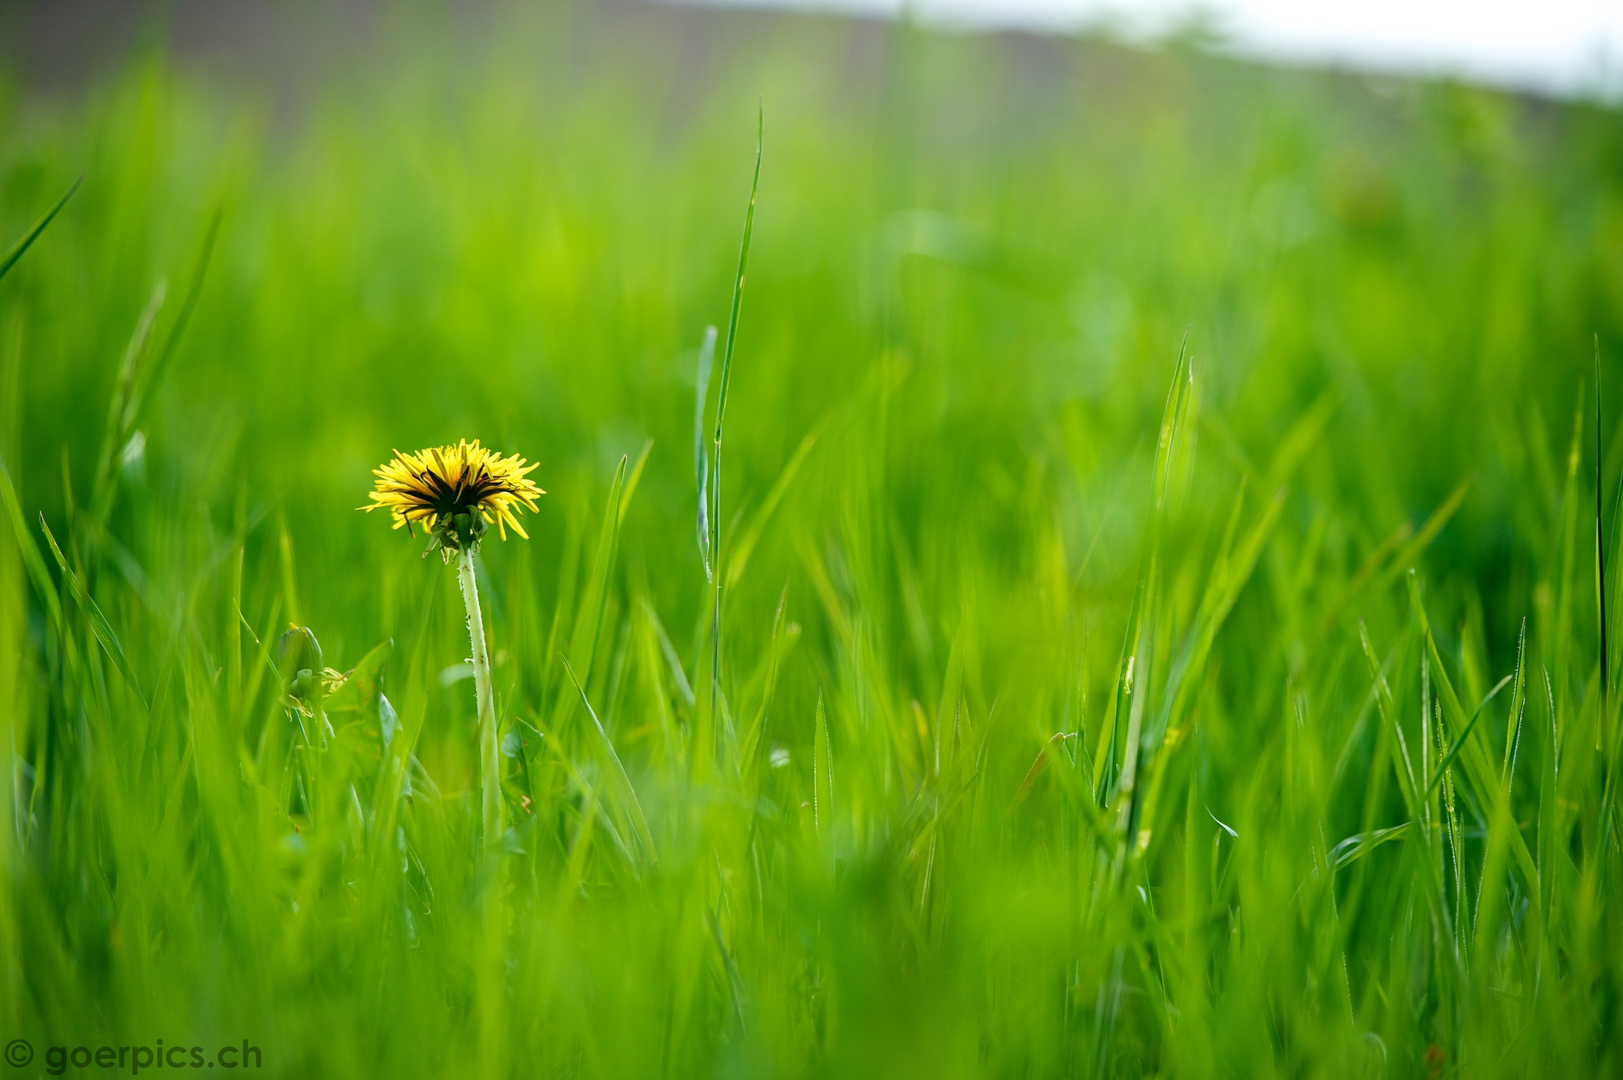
{"points": [[1408, 546], [27, 241], [752, 533], [633, 807], [32, 559], [1356, 846], [1459, 740]]}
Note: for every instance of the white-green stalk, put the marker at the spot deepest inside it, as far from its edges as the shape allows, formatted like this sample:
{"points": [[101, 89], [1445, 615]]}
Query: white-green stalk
{"points": [[490, 794]]}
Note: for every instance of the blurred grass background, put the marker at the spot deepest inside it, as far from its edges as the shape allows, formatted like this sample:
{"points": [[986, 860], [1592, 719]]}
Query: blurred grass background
{"points": [[1095, 781]]}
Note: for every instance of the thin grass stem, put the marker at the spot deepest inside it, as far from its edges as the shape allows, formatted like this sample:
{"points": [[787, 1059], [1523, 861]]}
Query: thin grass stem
{"points": [[490, 801]]}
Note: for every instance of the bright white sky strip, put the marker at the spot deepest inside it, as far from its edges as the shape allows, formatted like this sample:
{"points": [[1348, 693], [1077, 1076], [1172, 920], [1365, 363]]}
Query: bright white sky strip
{"points": [[1566, 47]]}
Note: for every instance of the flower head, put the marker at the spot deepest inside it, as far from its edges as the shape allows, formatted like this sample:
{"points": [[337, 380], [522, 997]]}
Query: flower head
{"points": [[455, 493]]}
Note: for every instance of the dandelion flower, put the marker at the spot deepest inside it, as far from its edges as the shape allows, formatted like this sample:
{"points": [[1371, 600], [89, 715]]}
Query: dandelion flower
{"points": [[455, 493]]}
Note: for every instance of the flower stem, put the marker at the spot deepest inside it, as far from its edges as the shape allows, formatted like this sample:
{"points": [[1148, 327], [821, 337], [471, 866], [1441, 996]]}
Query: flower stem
{"points": [[490, 800]]}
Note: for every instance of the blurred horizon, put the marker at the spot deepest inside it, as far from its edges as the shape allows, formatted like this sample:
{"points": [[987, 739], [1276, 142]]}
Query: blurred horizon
{"points": [[1574, 50], [1567, 48]]}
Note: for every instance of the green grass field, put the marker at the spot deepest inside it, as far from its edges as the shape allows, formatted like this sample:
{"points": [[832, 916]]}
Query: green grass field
{"points": [[1082, 710]]}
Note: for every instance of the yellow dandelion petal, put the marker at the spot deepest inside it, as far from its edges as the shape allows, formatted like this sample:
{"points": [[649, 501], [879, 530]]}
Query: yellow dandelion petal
{"points": [[512, 519]]}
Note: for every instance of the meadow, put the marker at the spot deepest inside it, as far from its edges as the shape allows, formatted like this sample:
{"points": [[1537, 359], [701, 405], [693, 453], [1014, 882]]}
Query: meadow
{"points": [[1153, 622]]}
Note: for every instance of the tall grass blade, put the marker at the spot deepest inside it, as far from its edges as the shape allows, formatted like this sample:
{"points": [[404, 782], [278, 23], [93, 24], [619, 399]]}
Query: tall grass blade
{"points": [[717, 703], [1518, 710], [738, 284]]}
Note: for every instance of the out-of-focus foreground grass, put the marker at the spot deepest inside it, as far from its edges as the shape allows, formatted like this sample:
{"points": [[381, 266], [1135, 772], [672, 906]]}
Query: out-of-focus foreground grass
{"points": [[1067, 726]]}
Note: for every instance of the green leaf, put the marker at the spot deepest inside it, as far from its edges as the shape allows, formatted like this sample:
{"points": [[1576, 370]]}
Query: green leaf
{"points": [[363, 683], [822, 771]]}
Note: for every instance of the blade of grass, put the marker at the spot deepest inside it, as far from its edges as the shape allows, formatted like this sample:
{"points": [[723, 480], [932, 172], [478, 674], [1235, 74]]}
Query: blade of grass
{"points": [[1600, 572], [751, 535], [701, 457], [128, 367], [738, 284], [28, 239], [1474, 760], [755, 737], [1469, 725], [639, 821], [721, 416], [151, 377], [822, 771], [32, 559], [1518, 709], [98, 622], [589, 620]]}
